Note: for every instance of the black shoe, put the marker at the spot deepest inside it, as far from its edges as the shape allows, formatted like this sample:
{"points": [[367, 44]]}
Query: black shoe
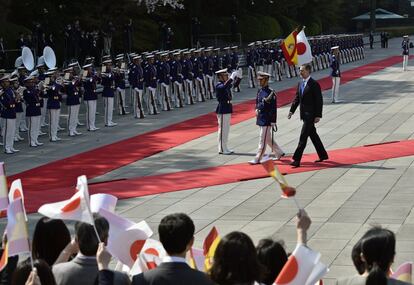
{"points": [[295, 163], [322, 159]]}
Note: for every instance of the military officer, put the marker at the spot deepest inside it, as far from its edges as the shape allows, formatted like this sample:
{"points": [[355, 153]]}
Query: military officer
{"points": [[266, 116], [187, 65], [8, 114], [335, 74], [224, 108], [177, 80], [108, 92]]}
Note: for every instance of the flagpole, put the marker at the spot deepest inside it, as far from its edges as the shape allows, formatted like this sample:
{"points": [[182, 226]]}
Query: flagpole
{"points": [[31, 261], [296, 202], [96, 232]]}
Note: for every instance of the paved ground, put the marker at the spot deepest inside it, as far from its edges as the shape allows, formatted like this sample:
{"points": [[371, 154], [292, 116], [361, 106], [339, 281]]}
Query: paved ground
{"points": [[343, 202]]}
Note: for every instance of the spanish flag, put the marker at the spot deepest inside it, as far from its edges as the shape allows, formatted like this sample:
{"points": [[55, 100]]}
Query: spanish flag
{"points": [[4, 257], [289, 48], [210, 245], [404, 272], [274, 172]]}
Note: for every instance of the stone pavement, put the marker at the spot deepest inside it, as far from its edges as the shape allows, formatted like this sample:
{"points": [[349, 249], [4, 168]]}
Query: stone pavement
{"points": [[343, 202]]}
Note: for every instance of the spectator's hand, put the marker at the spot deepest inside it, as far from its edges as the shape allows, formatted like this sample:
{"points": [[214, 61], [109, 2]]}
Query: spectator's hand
{"points": [[33, 278], [317, 119], [72, 248], [302, 225], [290, 115], [103, 257]]}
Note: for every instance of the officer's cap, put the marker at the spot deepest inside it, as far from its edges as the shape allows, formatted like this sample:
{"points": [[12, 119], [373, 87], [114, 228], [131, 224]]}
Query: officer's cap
{"points": [[87, 66], [5, 77], [40, 64], [137, 57], [221, 71], [177, 53], [107, 61], [406, 36], [29, 78], [73, 64], [150, 56], [234, 47], [251, 44], [21, 67], [226, 48], [261, 74], [216, 49], [68, 69], [186, 52], [335, 47], [13, 78]]}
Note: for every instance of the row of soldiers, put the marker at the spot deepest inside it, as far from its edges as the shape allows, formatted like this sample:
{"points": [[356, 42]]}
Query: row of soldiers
{"points": [[157, 81], [268, 56]]}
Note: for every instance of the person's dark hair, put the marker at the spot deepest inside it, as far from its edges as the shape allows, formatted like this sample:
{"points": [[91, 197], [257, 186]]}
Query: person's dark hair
{"points": [[308, 67], [50, 237], [22, 272], [272, 256], [235, 260], [176, 231], [86, 236], [378, 251], [356, 258]]}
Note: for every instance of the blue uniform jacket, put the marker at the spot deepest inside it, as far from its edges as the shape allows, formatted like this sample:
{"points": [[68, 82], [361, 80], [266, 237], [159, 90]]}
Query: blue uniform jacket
{"points": [[108, 84], [54, 97], [119, 78], [32, 99], [72, 92], [187, 69], [7, 100], [150, 76], [164, 75], [405, 45], [223, 94], [89, 85], [335, 66], [176, 71], [267, 111]]}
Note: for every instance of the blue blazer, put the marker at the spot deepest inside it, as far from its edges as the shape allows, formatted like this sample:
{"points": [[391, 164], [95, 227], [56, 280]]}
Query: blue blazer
{"points": [[223, 94]]}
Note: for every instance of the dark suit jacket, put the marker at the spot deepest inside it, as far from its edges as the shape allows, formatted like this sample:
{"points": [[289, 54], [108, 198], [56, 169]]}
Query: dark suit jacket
{"points": [[310, 101], [172, 273]]}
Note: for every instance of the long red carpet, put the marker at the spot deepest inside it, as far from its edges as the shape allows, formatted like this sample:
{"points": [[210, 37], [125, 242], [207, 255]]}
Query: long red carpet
{"points": [[63, 173], [183, 180]]}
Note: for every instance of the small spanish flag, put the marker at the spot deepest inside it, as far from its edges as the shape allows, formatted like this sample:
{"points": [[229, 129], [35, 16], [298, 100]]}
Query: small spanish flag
{"points": [[404, 272], [210, 245], [4, 257], [289, 48], [274, 172]]}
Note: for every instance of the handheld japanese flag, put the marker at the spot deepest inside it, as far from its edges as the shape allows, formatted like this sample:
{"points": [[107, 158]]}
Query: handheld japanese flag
{"points": [[287, 191], [17, 234], [210, 245], [76, 208], [16, 192], [302, 268], [404, 272], [303, 49], [4, 201], [150, 257], [103, 201]]}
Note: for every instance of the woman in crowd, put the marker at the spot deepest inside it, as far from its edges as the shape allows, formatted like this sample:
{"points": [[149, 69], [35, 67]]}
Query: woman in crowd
{"points": [[42, 275], [272, 256], [377, 254]]}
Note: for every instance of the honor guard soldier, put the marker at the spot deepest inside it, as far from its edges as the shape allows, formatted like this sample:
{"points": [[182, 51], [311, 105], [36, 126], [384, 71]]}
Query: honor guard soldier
{"points": [[250, 59], [335, 74], [235, 67], [187, 66], [208, 67], [54, 98], [405, 45], [90, 96], [198, 76], [8, 114], [136, 80], [108, 93], [164, 79], [33, 100], [41, 78], [224, 108], [177, 80], [20, 114], [119, 77], [72, 90], [22, 74], [266, 116], [150, 79]]}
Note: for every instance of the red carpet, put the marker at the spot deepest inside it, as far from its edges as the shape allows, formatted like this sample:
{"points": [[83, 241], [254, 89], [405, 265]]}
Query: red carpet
{"points": [[63, 173], [157, 184]]}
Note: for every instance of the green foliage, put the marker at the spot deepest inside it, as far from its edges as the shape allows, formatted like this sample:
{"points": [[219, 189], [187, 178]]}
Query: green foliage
{"points": [[287, 24], [399, 31], [10, 33], [257, 27]]}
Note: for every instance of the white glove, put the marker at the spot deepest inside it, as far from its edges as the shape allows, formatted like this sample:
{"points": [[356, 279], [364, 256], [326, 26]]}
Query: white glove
{"points": [[233, 75], [239, 73]]}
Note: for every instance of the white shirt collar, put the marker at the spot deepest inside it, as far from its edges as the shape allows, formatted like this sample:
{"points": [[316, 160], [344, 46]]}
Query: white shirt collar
{"points": [[174, 259], [306, 79]]}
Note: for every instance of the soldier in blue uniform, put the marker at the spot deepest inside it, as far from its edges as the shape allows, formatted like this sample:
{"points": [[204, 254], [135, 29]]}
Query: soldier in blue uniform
{"points": [[18, 91], [208, 70], [150, 79], [8, 114], [90, 96], [54, 99], [32, 99], [108, 93], [198, 76], [335, 74], [405, 45], [224, 108], [250, 62], [22, 73], [177, 79], [266, 116], [187, 71], [164, 79], [72, 90], [119, 76], [136, 81]]}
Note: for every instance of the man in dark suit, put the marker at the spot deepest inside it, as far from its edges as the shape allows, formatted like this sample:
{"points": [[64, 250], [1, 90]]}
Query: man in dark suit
{"points": [[309, 97], [176, 233]]}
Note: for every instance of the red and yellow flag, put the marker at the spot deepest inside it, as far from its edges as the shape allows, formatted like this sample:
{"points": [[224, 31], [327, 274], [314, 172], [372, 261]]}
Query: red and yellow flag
{"points": [[210, 245], [4, 257], [274, 172], [289, 48]]}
